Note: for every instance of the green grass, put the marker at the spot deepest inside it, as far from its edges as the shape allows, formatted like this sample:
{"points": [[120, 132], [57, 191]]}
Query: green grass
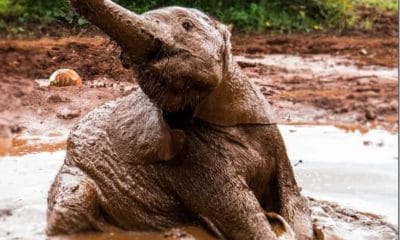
{"points": [[384, 5], [7, 8], [245, 15]]}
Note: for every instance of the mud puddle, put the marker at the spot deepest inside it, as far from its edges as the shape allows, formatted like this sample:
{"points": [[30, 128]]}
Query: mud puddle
{"points": [[357, 171], [322, 65], [23, 144], [325, 89]]}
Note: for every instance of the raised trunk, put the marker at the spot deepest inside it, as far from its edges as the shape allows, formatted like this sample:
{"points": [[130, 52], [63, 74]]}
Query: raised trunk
{"points": [[133, 33]]}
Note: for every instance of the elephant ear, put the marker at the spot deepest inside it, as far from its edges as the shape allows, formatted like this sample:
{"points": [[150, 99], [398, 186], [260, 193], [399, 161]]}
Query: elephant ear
{"points": [[235, 101], [138, 133]]}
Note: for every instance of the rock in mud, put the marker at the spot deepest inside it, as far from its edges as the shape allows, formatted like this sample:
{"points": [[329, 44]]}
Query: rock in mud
{"points": [[64, 78], [177, 234], [16, 128], [370, 114], [55, 98], [364, 51], [5, 212], [68, 113]]}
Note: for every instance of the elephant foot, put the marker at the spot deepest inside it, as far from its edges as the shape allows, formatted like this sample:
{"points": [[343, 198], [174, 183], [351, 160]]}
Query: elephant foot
{"points": [[281, 228], [72, 204]]}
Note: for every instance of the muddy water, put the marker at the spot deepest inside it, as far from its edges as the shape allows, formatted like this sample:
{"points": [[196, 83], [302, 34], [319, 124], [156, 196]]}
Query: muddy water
{"points": [[321, 65], [355, 170]]}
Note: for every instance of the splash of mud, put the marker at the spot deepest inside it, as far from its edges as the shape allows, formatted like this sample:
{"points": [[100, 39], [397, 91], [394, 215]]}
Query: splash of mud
{"points": [[334, 222]]}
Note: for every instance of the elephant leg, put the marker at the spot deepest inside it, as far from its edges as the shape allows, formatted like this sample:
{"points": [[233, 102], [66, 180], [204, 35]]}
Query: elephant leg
{"points": [[291, 204], [229, 208], [281, 228], [72, 203]]}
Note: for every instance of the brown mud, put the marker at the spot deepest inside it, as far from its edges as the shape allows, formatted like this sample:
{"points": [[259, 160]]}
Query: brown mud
{"points": [[25, 65], [353, 101], [326, 89], [330, 221], [32, 174], [364, 50]]}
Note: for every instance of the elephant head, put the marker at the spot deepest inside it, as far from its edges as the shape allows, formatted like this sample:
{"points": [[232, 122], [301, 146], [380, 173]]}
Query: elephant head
{"points": [[182, 59]]}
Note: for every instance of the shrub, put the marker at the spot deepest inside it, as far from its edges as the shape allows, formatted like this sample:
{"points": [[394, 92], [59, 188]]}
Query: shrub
{"points": [[251, 15]]}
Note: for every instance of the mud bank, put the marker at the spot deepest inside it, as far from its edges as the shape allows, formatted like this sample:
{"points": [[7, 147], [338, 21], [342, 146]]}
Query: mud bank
{"points": [[352, 169]]}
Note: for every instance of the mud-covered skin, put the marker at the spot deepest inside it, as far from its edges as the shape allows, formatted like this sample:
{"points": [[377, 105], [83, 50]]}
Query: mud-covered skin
{"points": [[227, 175], [196, 144]]}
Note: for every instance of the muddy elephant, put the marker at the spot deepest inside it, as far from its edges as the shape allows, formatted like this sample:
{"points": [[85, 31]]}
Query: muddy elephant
{"points": [[195, 144]]}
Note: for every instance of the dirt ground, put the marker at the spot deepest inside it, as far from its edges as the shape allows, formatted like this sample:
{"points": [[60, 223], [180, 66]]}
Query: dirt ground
{"points": [[348, 101]]}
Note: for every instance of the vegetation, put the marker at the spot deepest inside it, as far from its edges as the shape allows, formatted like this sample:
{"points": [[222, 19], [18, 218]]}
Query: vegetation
{"points": [[247, 15], [385, 5]]}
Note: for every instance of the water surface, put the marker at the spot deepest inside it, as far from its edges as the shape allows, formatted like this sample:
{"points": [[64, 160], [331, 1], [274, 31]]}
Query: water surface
{"points": [[353, 169]]}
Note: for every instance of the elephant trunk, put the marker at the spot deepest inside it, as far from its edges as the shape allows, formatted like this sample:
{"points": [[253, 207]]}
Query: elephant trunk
{"points": [[136, 35]]}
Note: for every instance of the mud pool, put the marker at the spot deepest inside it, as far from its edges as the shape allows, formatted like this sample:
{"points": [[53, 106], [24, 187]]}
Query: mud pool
{"points": [[355, 170], [321, 65]]}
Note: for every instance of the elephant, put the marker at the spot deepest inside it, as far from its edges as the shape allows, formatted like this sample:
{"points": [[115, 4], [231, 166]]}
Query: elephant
{"points": [[195, 144]]}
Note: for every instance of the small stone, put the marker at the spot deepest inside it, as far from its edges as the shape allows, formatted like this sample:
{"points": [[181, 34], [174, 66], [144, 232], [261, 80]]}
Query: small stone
{"points": [[68, 113], [298, 163], [364, 51], [64, 78], [16, 128], [177, 233], [367, 143], [5, 212], [55, 98], [370, 115]]}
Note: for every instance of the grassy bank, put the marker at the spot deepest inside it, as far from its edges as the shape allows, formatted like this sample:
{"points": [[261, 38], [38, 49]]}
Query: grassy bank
{"points": [[247, 16]]}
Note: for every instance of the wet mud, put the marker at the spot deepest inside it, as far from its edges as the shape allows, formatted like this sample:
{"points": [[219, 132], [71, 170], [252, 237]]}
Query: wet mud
{"points": [[356, 208], [326, 89], [364, 50], [332, 84]]}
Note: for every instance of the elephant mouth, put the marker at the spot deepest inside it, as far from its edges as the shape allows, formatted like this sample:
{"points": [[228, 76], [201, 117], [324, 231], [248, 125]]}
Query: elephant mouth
{"points": [[178, 120]]}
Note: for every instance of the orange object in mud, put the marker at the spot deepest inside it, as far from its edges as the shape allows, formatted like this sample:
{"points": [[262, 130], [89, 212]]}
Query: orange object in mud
{"points": [[64, 78]]}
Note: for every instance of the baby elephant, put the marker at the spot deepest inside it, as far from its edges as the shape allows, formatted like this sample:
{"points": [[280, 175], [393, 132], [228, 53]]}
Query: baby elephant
{"points": [[194, 145]]}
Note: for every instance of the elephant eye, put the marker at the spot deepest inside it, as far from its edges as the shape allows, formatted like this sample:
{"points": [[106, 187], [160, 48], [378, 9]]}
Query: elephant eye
{"points": [[187, 25]]}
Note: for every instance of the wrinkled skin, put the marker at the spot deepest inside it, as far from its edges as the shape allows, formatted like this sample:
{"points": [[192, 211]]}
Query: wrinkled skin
{"points": [[194, 145]]}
